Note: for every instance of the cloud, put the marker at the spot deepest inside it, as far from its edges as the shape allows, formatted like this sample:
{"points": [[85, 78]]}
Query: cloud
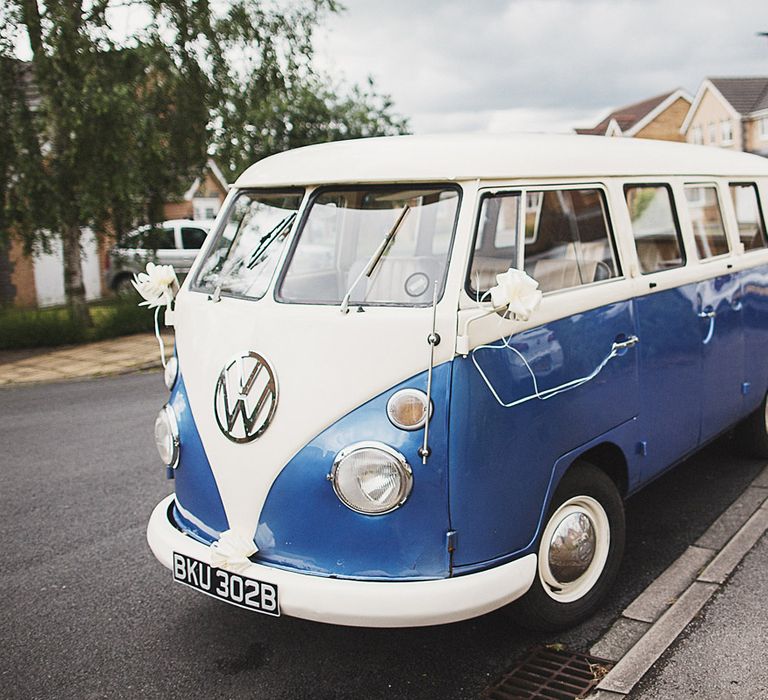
{"points": [[497, 62]]}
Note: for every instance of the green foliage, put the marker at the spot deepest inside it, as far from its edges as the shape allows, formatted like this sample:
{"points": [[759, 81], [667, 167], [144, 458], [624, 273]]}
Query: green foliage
{"points": [[51, 327], [99, 130]]}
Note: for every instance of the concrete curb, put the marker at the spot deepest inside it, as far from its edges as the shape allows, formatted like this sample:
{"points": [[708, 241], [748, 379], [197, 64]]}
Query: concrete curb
{"points": [[652, 622]]}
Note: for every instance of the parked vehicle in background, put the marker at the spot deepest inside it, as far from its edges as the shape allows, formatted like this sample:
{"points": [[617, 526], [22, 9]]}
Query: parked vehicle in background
{"points": [[174, 242]]}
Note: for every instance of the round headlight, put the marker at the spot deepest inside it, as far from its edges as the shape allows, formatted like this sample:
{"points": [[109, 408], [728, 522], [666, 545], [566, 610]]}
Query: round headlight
{"points": [[171, 370], [407, 409], [371, 478], [167, 437]]}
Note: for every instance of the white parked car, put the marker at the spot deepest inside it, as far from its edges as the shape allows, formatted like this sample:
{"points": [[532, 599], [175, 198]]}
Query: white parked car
{"points": [[174, 242]]}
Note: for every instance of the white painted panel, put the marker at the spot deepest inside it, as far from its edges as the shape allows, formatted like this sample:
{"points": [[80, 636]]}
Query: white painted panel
{"points": [[49, 271], [49, 275], [91, 268]]}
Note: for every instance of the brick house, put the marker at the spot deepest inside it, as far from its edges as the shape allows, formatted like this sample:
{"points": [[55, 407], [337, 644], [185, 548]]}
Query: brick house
{"points": [[658, 117], [38, 280], [730, 113], [204, 197]]}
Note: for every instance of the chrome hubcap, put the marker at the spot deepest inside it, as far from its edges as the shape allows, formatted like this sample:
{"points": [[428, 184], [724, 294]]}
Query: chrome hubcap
{"points": [[572, 547]]}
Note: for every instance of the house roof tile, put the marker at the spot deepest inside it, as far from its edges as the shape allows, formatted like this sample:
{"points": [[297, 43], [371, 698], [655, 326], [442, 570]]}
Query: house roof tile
{"points": [[626, 117], [746, 95]]}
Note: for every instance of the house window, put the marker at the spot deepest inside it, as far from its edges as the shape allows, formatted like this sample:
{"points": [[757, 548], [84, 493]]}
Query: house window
{"points": [[726, 132], [696, 135], [763, 128], [712, 133]]}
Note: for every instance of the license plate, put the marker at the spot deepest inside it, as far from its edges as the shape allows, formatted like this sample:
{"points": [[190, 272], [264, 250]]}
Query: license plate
{"points": [[238, 590]]}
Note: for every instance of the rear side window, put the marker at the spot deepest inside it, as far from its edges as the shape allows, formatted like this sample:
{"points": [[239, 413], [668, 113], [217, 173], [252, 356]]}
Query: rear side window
{"points": [[748, 215], [568, 241], [654, 227], [707, 221], [192, 237]]}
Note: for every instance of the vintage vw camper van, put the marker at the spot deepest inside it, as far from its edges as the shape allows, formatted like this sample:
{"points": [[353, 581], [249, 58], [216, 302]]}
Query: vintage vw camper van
{"points": [[360, 433]]}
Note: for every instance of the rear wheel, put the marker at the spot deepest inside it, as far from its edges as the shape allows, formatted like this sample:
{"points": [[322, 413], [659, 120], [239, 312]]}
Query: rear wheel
{"points": [[579, 552], [752, 432]]}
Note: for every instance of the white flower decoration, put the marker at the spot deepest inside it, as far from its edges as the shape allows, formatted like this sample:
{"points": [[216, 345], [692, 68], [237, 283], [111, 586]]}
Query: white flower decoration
{"points": [[157, 285], [516, 292], [231, 552]]}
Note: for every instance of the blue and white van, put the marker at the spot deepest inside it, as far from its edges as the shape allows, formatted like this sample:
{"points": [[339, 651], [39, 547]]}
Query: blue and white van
{"points": [[359, 436]]}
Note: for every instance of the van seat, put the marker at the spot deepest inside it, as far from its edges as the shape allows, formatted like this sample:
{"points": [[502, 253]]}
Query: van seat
{"points": [[563, 273], [485, 268]]}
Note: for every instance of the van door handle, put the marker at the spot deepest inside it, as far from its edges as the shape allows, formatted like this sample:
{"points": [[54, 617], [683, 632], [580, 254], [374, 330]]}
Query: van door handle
{"points": [[631, 341]]}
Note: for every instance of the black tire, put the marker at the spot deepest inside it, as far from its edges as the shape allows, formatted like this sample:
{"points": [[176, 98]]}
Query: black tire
{"points": [[752, 433], [548, 608]]}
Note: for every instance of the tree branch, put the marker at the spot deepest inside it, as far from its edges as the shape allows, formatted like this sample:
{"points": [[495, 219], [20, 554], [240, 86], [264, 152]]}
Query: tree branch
{"points": [[31, 16]]}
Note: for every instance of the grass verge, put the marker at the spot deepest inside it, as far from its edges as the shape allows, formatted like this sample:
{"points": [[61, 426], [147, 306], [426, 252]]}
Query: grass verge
{"points": [[22, 328]]}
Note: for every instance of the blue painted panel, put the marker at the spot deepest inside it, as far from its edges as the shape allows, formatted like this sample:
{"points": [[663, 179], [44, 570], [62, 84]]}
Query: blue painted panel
{"points": [[623, 437], [722, 354], [196, 489], [304, 526], [502, 458], [754, 288], [671, 335]]}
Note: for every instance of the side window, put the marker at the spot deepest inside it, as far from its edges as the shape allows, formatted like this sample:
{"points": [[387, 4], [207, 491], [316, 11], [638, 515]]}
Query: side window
{"points": [[748, 215], [496, 240], [154, 239], [568, 241], [654, 227], [192, 237], [707, 221]]}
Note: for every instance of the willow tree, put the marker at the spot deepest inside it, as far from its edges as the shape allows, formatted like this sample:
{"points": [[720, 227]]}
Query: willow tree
{"points": [[104, 127]]}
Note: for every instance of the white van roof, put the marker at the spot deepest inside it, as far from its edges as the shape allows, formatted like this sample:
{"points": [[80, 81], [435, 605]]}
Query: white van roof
{"points": [[466, 157]]}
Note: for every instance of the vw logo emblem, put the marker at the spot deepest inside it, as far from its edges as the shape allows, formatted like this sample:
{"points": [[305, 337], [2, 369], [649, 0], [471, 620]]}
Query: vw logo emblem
{"points": [[245, 398]]}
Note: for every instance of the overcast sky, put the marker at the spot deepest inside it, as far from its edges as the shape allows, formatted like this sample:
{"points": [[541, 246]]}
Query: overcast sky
{"points": [[504, 65]]}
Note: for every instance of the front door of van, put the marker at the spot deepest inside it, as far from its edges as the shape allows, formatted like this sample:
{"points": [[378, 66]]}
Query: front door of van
{"points": [[524, 398]]}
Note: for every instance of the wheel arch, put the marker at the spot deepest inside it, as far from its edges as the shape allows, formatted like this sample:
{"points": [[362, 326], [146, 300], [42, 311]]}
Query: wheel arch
{"points": [[609, 458]]}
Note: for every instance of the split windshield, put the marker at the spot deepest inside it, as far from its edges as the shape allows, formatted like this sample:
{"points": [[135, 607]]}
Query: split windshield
{"points": [[341, 250], [245, 254]]}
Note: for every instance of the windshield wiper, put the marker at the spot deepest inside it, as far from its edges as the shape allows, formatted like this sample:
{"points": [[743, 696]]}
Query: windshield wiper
{"points": [[370, 266], [267, 239]]}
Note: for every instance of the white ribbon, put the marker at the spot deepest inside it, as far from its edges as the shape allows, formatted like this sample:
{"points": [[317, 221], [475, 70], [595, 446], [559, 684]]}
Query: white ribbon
{"points": [[517, 293], [157, 286], [537, 394], [232, 551]]}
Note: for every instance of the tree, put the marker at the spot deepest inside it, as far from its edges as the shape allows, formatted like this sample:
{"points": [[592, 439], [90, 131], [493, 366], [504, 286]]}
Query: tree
{"points": [[121, 124]]}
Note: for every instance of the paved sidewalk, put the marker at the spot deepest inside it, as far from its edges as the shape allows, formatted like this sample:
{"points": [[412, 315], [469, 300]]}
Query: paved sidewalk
{"points": [[722, 655], [105, 357]]}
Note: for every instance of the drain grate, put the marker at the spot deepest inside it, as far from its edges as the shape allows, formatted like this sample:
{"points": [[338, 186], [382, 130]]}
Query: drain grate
{"points": [[549, 673]]}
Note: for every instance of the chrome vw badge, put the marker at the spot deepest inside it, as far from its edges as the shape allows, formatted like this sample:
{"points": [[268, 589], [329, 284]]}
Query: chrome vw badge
{"points": [[245, 398]]}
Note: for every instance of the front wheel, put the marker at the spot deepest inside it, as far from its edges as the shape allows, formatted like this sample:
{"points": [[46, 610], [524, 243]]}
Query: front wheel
{"points": [[579, 552]]}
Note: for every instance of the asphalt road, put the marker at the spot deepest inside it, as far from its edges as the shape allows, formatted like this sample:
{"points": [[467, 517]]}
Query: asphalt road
{"points": [[88, 613]]}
